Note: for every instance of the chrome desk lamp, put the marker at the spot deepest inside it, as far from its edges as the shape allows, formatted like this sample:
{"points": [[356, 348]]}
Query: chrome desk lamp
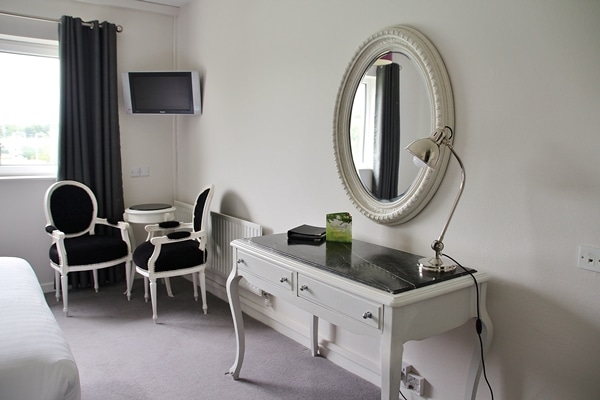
{"points": [[426, 153]]}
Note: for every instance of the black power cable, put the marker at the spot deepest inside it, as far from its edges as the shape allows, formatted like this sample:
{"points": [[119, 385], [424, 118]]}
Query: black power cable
{"points": [[478, 324], [402, 394]]}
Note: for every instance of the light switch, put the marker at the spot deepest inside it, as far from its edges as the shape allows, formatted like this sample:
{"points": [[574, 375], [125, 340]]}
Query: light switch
{"points": [[139, 171]]}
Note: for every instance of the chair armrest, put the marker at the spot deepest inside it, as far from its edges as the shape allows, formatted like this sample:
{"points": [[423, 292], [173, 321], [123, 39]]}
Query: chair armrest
{"points": [[112, 222], [172, 226], [58, 239], [180, 236], [54, 232], [153, 228], [168, 225]]}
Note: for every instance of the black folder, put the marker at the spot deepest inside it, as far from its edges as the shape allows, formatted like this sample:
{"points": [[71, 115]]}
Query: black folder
{"points": [[307, 233]]}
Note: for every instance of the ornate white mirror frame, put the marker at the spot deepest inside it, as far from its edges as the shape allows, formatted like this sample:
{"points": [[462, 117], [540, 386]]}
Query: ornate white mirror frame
{"points": [[422, 52]]}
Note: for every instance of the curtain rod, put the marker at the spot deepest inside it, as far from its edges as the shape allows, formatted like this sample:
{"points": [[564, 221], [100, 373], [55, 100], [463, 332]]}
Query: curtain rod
{"points": [[91, 25]]}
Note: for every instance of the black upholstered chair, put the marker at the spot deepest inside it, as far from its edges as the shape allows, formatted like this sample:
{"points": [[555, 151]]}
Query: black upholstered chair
{"points": [[71, 221], [183, 251]]}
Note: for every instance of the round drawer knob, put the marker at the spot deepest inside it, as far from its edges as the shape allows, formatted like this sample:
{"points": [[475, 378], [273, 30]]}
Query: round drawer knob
{"points": [[367, 315], [282, 280], [240, 261], [303, 288]]}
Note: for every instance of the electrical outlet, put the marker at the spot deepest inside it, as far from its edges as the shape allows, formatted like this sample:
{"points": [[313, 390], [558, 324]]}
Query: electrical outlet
{"points": [[406, 369], [415, 383], [589, 258]]}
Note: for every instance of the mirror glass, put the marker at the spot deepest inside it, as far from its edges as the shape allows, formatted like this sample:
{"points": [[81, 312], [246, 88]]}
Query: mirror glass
{"points": [[395, 90], [391, 109]]}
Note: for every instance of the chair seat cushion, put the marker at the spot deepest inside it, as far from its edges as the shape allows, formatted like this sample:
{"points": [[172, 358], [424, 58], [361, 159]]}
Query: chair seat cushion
{"points": [[178, 255], [91, 249]]}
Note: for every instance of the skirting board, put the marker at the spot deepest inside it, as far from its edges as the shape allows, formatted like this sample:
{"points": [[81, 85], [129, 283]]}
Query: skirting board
{"points": [[47, 287], [255, 307]]}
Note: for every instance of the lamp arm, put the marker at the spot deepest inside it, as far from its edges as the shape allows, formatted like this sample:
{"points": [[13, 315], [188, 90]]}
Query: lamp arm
{"points": [[439, 242]]}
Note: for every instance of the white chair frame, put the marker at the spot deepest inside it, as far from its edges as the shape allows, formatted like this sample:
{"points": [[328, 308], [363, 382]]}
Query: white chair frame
{"points": [[62, 269], [198, 272]]}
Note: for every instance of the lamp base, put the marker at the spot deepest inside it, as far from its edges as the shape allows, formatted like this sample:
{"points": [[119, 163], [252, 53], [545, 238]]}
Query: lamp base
{"points": [[441, 264]]}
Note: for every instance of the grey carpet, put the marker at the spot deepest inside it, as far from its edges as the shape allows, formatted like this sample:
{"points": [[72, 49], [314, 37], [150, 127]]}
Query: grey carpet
{"points": [[122, 354]]}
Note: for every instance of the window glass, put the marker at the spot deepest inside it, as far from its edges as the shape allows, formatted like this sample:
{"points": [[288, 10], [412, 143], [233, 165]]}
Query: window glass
{"points": [[362, 123], [29, 106]]}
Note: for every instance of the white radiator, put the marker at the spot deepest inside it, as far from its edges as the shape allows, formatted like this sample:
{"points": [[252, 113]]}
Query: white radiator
{"points": [[183, 211], [224, 229]]}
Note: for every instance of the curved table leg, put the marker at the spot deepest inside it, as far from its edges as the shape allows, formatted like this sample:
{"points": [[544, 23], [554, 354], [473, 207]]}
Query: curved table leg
{"points": [[314, 335], [391, 352], [238, 323]]}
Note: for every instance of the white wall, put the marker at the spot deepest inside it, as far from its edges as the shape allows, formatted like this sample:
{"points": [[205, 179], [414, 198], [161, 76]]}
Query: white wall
{"points": [[146, 43], [526, 84]]}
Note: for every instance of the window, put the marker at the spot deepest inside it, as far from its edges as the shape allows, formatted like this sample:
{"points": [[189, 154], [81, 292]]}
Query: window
{"points": [[29, 106], [362, 123]]}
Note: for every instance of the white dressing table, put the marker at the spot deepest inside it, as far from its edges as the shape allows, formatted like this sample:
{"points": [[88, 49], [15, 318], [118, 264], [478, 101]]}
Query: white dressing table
{"points": [[365, 288]]}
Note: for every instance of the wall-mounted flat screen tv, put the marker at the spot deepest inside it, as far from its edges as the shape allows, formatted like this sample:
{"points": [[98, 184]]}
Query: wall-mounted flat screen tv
{"points": [[161, 92]]}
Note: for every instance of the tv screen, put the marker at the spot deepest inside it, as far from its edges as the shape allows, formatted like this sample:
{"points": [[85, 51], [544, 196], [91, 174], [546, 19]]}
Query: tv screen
{"points": [[162, 92]]}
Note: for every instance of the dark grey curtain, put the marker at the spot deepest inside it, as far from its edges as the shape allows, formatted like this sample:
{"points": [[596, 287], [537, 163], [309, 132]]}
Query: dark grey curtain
{"points": [[89, 136], [386, 158]]}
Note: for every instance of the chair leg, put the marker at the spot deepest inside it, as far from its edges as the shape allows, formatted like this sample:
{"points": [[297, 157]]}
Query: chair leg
{"points": [[203, 291], [57, 284], [128, 279], [132, 274], [153, 298], [195, 282], [168, 285], [65, 293], [95, 273], [146, 289]]}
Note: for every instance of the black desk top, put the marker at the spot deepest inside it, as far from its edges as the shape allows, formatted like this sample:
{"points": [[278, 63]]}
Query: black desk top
{"points": [[390, 270]]}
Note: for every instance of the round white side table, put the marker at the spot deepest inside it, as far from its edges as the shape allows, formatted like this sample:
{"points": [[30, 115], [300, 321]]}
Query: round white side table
{"points": [[151, 213]]}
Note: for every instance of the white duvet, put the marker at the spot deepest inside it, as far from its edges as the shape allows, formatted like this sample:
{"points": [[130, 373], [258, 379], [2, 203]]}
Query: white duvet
{"points": [[36, 362]]}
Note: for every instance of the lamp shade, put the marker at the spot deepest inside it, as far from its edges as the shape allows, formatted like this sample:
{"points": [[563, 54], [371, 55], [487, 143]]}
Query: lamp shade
{"points": [[384, 59], [425, 150]]}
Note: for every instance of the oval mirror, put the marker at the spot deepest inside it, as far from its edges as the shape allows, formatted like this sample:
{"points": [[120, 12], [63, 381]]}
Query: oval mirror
{"points": [[395, 90]]}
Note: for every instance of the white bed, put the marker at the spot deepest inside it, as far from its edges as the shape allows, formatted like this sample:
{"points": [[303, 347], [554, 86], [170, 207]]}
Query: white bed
{"points": [[36, 362]]}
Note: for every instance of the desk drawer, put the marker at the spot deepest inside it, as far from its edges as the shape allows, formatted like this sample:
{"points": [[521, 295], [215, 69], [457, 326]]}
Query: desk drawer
{"points": [[266, 271], [338, 300]]}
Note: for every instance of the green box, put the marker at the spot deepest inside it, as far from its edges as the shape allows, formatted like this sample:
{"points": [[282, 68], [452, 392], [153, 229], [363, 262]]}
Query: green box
{"points": [[339, 227]]}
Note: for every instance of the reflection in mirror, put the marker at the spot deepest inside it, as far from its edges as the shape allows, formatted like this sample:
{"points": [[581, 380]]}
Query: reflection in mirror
{"points": [[395, 90], [391, 109]]}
